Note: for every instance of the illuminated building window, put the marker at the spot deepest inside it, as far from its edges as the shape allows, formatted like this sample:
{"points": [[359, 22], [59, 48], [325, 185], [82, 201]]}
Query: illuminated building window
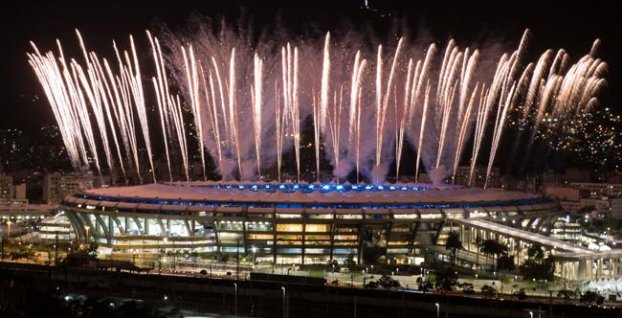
{"points": [[317, 243], [260, 236], [317, 251], [344, 251], [288, 216], [400, 229], [232, 249], [427, 216], [346, 243], [320, 216], [349, 216], [259, 226], [398, 243], [229, 237], [342, 237], [289, 227], [289, 250], [346, 230], [288, 242], [406, 216], [288, 237], [317, 237], [316, 228], [397, 251]]}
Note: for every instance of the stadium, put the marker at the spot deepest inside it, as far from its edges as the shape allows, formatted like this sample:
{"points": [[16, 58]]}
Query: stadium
{"points": [[299, 223]]}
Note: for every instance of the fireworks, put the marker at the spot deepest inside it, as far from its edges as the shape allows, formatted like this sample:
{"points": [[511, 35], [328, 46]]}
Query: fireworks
{"points": [[249, 101]]}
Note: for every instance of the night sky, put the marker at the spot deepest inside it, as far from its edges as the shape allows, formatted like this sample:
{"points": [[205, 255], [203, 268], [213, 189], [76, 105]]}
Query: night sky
{"points": [[572, 25]]}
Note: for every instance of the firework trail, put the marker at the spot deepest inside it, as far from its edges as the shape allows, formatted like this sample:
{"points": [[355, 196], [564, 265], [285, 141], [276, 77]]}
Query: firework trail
{"points": [[249, 100]]}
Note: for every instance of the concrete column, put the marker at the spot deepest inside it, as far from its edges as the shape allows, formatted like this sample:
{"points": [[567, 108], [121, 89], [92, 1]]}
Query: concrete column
{"points": [[589, 269], [583, 270]]}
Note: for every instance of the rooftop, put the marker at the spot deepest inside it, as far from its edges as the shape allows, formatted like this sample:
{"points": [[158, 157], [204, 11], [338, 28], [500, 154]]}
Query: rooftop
{"points": [[319, 193]]}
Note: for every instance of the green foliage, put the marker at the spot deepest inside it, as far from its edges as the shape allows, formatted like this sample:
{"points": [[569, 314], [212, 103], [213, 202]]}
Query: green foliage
{"points": [[538, 270], [316, 273], [536, 252], [23, 252], [520, 294], [489, 291], [371, 284], [91, 251], [350, 263], [223, 258], [453, 243], [591, 298], [425, 285], [371, 254], [467, 288], [446, 280], [386, 281], [493, 247], [506, 263]]}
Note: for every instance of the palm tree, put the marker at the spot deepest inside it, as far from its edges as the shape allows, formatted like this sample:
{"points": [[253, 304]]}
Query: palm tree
{"points": [[453, 243], [478, 244], [492, 247]]}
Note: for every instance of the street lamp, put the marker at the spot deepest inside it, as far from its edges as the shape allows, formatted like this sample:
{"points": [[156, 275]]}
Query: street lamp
{"points": [[254, 250], [438, 310], [284, 302], [86, 227], [235, 299]]}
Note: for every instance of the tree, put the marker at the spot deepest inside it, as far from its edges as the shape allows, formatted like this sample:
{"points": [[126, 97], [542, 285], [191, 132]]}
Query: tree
{"points": [[467, 288], [371, 284], [535, 251], [387, 281], [371, 254], [350, 263], [520, 294], [492, 247], [591, 298], [23, 252], [424, 285], [538, 270], [479, 243], [506, 263], [537, 267], [446, 280], [489, 291], [91, 251], [453, 243]]}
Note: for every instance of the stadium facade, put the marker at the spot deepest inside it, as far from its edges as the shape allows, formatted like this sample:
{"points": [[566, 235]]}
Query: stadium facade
{"points": [[296, 223]]}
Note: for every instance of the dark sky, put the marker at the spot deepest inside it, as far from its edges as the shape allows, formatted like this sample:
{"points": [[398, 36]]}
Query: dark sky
{"points": [[572, 25]]}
